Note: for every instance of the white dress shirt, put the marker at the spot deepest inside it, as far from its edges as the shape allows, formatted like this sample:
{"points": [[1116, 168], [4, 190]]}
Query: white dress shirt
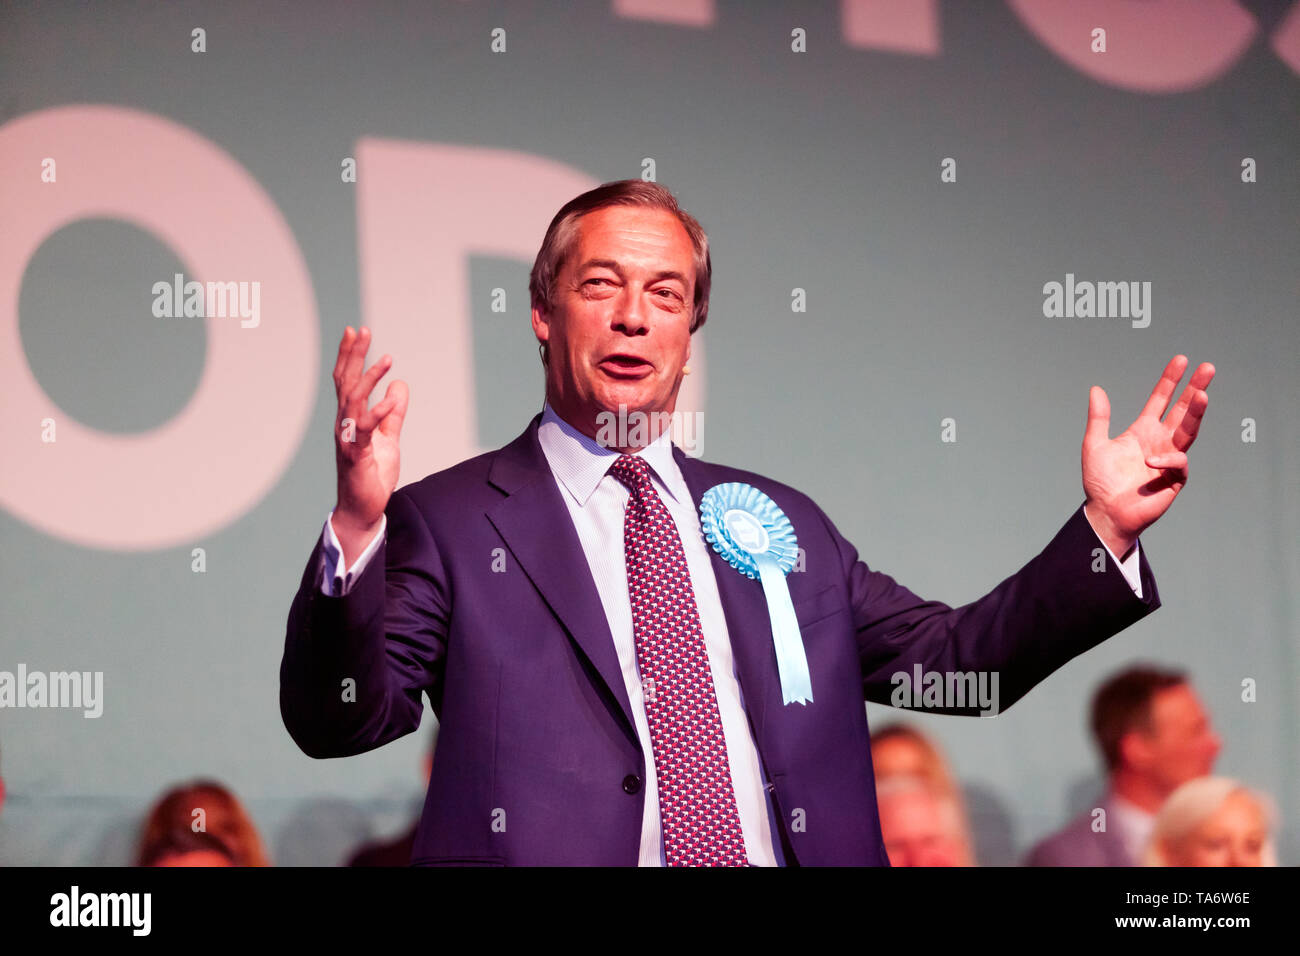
{"points": [[596, 503], [1133, 825]]}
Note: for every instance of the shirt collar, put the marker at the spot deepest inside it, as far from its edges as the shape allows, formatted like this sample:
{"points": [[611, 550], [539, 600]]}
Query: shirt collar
{"points": [[1133, 826], [580, 462], [1130, 812]]}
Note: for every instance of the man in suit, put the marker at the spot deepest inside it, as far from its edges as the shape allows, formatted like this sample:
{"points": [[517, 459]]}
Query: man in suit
{"points": [[1154, 735], [607, 686]]}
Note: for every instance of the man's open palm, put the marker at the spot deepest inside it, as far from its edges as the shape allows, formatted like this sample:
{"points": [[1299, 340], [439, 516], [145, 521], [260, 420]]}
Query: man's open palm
{"points": [[1131, 480], [366, 440]]}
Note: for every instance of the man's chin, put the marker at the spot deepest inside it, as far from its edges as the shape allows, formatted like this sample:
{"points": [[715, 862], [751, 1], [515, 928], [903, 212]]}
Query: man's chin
{"points": [[616, 401]]}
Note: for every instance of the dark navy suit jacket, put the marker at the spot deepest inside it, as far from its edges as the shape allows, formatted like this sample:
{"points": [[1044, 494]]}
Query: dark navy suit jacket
{"points": [[537, 758]]}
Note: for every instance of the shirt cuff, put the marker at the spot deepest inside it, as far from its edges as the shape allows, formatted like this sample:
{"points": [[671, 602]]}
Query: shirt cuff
{"points": [[1130, 567], [333, 583]]}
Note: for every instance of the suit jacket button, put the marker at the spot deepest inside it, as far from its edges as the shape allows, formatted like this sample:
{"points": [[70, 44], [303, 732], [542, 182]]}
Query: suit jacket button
{"points": [[631, 783]]}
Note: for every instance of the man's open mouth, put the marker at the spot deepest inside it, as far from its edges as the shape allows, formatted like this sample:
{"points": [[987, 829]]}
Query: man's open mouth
{"points": [[625, 366]]}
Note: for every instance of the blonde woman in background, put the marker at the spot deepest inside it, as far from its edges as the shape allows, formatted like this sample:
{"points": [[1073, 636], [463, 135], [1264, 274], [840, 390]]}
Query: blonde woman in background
{"points": [[1213, 821]]}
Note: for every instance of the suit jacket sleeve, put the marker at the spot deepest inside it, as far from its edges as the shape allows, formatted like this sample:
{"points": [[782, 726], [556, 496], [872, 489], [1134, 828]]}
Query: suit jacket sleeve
{"points": [[1051, 610], [387, 636]]}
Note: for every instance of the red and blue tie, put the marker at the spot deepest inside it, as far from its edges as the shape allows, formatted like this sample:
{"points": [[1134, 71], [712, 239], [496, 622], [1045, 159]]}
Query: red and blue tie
{"points": [[697, 803]]}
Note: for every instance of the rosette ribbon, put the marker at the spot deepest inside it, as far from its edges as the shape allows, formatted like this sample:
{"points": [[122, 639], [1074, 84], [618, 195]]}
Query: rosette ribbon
{"points": [[755, 537]]}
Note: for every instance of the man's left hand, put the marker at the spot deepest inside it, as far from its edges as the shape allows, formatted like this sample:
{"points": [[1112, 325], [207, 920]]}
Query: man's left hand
{"points": [[1130, 481]]}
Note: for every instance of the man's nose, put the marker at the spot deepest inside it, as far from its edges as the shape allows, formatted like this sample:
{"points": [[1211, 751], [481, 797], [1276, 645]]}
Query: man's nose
{"points": [[1214, 745], [630, 315]]}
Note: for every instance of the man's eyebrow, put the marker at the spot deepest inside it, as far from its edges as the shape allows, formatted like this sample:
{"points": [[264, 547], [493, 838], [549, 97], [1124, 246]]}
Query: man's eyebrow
{"points": [[614, 267], [670, 274]]}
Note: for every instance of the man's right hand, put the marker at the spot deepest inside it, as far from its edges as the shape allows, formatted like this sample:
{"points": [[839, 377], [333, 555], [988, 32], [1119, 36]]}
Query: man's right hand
{"points": [[365, 443]]}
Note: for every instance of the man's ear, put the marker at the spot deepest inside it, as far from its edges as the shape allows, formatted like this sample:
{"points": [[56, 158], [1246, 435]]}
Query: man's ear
{"points": [[541, 325], [1134, 750]]}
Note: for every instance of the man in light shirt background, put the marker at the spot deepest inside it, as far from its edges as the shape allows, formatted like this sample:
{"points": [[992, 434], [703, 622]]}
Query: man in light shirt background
{"points": [[1153, 734]]}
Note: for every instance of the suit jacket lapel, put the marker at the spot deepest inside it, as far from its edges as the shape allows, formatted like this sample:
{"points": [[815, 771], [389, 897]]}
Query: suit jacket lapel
{"points": [[535, 524], [743, 605]]}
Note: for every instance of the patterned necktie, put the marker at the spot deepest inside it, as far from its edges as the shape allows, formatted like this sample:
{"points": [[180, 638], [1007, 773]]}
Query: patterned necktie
{"points": [[697, 804]]}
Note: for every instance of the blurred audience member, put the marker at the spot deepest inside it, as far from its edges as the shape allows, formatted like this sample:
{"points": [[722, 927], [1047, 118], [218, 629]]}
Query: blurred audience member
{"points": [[184, 847], [1154, 736], [1213, 821], [919, 824], [393, 852], [204, 806], [899, 750]]}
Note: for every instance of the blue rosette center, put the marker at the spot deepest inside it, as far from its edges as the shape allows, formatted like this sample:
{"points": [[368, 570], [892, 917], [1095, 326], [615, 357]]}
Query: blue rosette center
{"points": [[741, 522], [755, 537]]}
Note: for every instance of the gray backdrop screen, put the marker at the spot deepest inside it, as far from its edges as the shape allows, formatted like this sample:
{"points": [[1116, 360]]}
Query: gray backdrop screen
{"points": [[888, 188]]}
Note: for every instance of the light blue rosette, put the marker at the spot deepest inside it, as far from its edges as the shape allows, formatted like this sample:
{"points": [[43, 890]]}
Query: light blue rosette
{"points": [[747, 528]]}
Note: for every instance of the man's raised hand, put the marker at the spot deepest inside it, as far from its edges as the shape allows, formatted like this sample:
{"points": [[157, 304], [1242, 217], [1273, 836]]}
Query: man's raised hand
{"points": [[1131, 480], [365, 443]]}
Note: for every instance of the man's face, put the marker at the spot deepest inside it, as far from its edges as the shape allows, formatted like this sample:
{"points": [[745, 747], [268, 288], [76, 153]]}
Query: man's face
{"points": [[1181, 744], [916, 832], [897, 756], [620, 329]]}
